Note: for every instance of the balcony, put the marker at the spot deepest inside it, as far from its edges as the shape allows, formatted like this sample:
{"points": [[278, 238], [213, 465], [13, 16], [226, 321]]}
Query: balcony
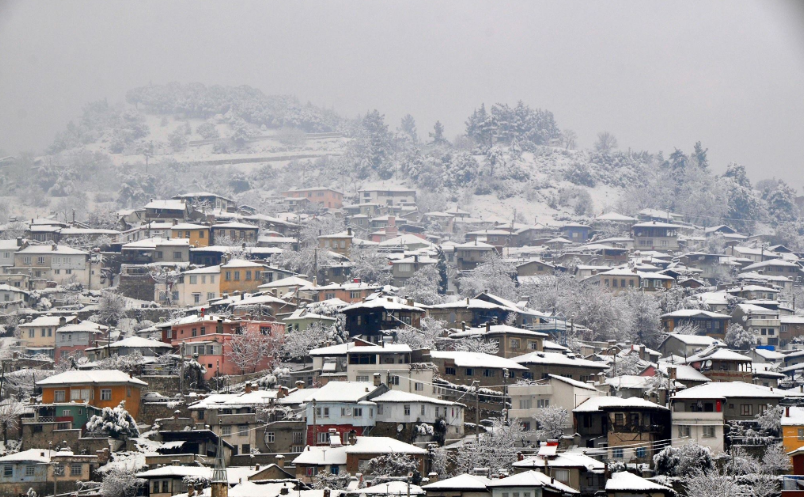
{"points": [[35, 420]]}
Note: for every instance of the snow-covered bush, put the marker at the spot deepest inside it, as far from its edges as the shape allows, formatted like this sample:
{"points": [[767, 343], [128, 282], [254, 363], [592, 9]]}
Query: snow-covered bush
{"points": [[113, 422]]}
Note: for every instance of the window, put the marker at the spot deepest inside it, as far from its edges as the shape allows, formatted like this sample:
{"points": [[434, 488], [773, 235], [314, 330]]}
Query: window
{"points": [[210, 295], [746, 410], [394, 380], [228, 276], [470, 372], [193, 279], [488, 373], [709, 432], [525, 403], [419, 387], [237, 275], [379, 409], [196, 298], [423, 409], [248, 275], [194, 332], [357, 412], [326, 412], [683, 431], [158, 254], [354, 295], [323, 438], [203, 330], [542, 403], [106, 394], [8, 470], [298, 437], [245, 449], [30, 470], [619, 419], [58, 396], [514, 343], [226, 430], [176, 256], [407, 409], [75, 469], [450, 371], [617, 453], [561, 475], [58, 470]]}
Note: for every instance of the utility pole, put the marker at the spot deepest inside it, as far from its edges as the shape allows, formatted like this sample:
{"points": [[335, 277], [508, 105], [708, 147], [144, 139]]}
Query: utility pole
{"points": [[477, 411], [505, 395], [181, 368], [315, 426]]}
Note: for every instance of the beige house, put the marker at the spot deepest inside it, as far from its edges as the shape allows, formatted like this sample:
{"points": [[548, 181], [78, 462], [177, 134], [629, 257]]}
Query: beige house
{"points": [[196, 287], [59, 263], [39, 336]]}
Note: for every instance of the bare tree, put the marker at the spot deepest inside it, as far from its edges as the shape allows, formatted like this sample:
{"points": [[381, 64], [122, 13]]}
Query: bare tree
{"points": [[10, 412], [249, 350], [606, 142]]}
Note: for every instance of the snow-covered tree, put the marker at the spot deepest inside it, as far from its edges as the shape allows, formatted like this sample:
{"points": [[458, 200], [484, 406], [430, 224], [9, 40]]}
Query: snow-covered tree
{"points": [[683, 461], [250, 349], [470, 344], [741, 463], [738, 337], [606, 142], [408, 128], [775, 461], [298, 343], [120, 481], [712, 483], [114, 422], [371, 266], [437, 135], [423, 286], [497, 450], [770, 420], [552, 422], [392, 464], [443, 272], [644, 317], [629, 364], [494, 276], [429, 335], [10, 412], [111, 308], [325, 479]]}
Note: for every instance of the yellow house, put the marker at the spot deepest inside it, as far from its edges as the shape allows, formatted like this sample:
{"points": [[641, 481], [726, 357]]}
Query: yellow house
{"points": [[39, 336], [197, 234], [793, 428], [239, 275]]}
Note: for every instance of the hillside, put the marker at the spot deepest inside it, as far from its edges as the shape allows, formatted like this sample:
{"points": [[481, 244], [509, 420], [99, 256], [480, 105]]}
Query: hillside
{"points": [[512, 163]]}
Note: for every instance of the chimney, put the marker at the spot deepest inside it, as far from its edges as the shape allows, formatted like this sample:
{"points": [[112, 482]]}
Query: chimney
{"points": [[284, 490], [463, 325], [248, 387], [280, 461], [62, 321], [787, 411], [299, 384], [377, 379], [349, 231], [642, 353], [391, 221], [410, 302], [432, 478], [257, 467], [219, 326], [488, 326], [176, 414], [19, 241]]}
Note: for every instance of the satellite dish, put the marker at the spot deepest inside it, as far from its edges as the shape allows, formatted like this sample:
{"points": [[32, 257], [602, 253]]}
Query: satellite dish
{"points": [[400, 427]]}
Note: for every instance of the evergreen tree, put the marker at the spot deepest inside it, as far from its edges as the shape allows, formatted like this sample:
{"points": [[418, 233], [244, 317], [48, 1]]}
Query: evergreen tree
{"points": [[699, 156], [443, 279], [438, 134], [408, 127]]}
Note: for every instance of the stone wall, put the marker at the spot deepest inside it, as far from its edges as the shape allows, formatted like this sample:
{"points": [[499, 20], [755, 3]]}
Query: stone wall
{"points": [[151, 411], [167, 385]]}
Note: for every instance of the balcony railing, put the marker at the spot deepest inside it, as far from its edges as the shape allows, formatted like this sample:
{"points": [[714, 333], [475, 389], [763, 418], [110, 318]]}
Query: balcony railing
{"points": [[38, 419]]}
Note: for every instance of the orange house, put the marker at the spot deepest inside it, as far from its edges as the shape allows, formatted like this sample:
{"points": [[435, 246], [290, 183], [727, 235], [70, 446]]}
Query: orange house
{"points": [[99, 388], [197, 234], [326, 197], [239, 275]]}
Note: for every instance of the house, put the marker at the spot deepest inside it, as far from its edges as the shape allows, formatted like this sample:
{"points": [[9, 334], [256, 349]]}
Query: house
{"points": [[530, 481], [233, 417], [572, 468], [468, 367], [702, 413], [629, 429], [407, 416], [775, 267], [370, 319], [512, 341], [528, 400], [176, 209], [197, 234], [655, 236], [44, 471], [404, 269], [38, 337], [464, 485], [617, 280], [12, 297], [793, 429], [142, 346], [291, 284], [239, 275], [340, 243], [721, 364], [625, 484], [196, 287], [234, 232], [470, 255], [175, 251], [61, 264], [341, 407], [792, 327], [352, 458], [575, 232], [543, 364], [685, 345], [351, 293], [303, 317], [99, 388], [325, 197], [762, 321], [708, 323], [207, 202], [391, 364], [387, 196], [74, 339]]}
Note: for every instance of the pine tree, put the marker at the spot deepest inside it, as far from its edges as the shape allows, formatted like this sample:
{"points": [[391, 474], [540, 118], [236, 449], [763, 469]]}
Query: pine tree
{"points": [[443, 278], [408, 127], [699, 156], [438, 134]]}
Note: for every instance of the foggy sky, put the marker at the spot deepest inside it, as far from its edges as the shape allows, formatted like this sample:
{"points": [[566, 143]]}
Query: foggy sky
{"points": [[658, 75]]}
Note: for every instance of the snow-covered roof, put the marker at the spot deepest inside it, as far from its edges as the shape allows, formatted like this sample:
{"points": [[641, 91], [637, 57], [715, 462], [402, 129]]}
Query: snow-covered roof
{"points": [[684, 373], [48, 321], [557, 359], [716, 353], [88, 326], [235, 226], [30, 455], [343, 391], [460, 482], [205, 270], [391, 488], [383, 445], [728, 389], [189, 226], [531, 479], [570, 381], [593, 404], [629, 482], [793, 416], [613, 216], [574, 459], [287, 282], [476, 360], [139, 343], [174, 205], [404, 240], [699, 340], [229, 400], [695, 313], [771, 263], [91, 377], [407, 397], [242, 263], [384, 302], [51, 249]]}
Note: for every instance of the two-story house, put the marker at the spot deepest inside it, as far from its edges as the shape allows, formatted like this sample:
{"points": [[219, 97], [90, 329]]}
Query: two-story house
{"points": [[422, 419], [44, 471], [239, 275], [372, 317], [527, 400], [197, 234], [655, 236], [99, 388], [38, 337], [343, 406], [234, 232], [74, 339]]}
